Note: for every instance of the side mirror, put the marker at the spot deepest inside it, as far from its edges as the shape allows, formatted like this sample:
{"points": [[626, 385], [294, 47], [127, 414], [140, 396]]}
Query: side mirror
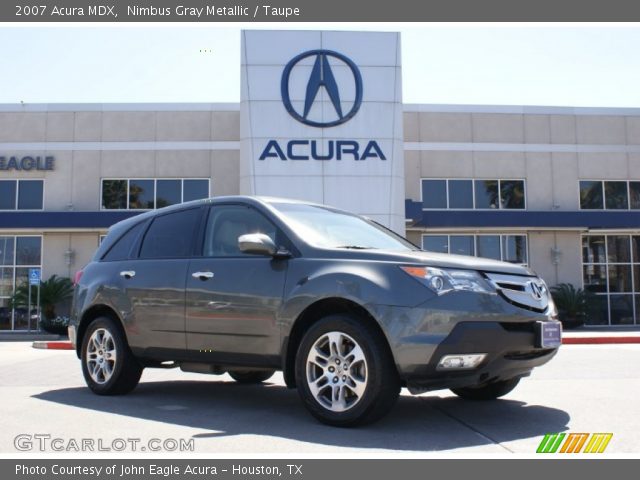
{"points": [[257, 244]]}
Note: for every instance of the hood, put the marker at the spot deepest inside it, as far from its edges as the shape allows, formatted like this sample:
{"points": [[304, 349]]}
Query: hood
{"points": [[451, 261]]}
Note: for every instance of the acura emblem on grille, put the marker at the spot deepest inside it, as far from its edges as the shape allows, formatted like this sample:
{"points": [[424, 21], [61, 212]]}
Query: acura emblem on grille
{"points": [[536, 290]]}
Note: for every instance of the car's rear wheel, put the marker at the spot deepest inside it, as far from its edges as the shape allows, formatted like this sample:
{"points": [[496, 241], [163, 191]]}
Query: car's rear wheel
{"points": [[345, 373], [490, 391], [251, 376], [108, 366]]}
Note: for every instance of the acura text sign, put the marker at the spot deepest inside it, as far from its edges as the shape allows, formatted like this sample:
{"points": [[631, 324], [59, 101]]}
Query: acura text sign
{"points": [[321, 120]]}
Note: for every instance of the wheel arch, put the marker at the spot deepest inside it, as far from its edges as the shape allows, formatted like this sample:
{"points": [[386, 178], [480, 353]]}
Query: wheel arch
{"points": [[312, 314], [91, 314]]}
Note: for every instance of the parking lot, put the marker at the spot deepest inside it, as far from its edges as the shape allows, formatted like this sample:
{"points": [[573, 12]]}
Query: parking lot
{"points": [[585, 389]]}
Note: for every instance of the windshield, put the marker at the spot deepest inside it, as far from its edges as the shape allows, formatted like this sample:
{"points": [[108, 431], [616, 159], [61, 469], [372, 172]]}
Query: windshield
{"points": [[326, 228]]}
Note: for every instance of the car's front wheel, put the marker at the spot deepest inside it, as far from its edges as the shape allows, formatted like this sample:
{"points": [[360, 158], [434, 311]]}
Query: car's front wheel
{"points": [[345, 373], [108, 366], [490, 391]]}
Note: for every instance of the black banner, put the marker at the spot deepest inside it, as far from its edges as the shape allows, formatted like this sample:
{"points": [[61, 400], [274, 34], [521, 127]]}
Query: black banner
{"points": [[339, 469], [318, 11]]}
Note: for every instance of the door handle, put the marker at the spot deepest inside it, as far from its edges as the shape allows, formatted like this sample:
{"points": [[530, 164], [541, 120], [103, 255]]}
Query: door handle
{"points": [[202, 275], [128, 274]]}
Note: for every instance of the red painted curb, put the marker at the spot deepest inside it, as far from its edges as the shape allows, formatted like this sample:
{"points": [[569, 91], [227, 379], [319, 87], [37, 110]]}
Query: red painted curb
{"points": [[599, 340], [53, 345]]}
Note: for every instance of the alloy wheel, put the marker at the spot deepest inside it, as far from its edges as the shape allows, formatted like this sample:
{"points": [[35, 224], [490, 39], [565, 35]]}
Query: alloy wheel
{"points": [[101, 356], [336, 371]]}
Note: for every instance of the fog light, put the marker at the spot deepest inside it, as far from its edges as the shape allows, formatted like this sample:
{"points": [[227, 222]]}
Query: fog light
{"points": [[459, 362]]}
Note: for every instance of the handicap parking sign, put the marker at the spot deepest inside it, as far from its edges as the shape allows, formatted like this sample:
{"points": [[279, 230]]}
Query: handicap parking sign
{"points": [[34, 276]]}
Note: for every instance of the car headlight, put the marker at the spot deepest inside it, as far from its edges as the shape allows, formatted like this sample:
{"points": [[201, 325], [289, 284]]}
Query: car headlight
{"points": [[441, 280]]}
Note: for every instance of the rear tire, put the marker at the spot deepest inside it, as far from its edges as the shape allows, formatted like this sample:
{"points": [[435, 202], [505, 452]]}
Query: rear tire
{"points": [[345, 372], [251, 376], [490, 391], [108, 366]]}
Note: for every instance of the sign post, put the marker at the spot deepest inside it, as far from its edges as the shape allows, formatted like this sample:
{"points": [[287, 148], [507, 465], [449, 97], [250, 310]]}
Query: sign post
{"points": [[34, 279]]}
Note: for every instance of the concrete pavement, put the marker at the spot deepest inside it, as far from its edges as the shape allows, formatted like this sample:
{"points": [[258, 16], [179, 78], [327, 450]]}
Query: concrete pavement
{"points": [[584, 389]]}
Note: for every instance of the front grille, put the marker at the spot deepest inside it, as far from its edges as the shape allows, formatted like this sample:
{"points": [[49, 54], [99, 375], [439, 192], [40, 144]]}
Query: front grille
{"points": [[529, 293], [511, 286]]}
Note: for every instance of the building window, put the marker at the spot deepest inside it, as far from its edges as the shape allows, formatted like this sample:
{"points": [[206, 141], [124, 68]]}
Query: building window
{"points": [[465, 194], [505, 247], [18, 254], [149, 193], [609, 195], [21, 194], [434, 194], [435, 243], [611, 272]]}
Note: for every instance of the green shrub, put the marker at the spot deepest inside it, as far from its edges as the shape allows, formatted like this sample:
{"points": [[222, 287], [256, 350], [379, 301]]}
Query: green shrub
{"points": [[57, 325], [572, 304], [53, 291]]}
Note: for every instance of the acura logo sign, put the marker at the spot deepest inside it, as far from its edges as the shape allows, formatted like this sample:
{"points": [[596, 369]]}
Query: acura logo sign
{"points": [[322, 76], [330, 72]]}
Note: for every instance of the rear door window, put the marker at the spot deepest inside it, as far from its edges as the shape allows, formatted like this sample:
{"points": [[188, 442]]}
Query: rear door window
{"points": [[171, 235]]}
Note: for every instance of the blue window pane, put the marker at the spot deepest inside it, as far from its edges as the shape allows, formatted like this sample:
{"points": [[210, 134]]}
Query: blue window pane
{"points": [[30, 194], [434, 194], [114, 194], [169, 193], [615, 195], [195, 190], [591, 195], [435, 243], [488, 246], [512, 194], [487, 194], [141, 194], [28, 250], [460, 194], [7, 194], [598, 310], [6, 250], [621, 309], [514, 248], [462, 244]]}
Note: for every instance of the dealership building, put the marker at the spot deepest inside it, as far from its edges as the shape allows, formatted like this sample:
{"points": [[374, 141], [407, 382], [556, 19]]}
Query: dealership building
{"points": [[321, 118]]}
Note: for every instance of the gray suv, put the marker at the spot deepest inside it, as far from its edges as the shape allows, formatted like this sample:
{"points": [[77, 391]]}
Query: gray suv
{"points": [[349, 311]]}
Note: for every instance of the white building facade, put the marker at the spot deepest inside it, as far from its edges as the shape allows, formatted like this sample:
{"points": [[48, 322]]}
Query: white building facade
{"points": [[321, 118]]}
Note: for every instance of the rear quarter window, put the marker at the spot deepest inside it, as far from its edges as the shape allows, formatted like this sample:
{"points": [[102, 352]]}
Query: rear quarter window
{"points": [[122, 249]]}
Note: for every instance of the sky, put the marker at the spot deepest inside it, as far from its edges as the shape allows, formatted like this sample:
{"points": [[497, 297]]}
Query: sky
{"points": [[597, 66]]}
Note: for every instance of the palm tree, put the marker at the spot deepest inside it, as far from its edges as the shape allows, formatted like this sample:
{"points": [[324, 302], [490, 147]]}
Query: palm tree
{"points": [[52, 292]]}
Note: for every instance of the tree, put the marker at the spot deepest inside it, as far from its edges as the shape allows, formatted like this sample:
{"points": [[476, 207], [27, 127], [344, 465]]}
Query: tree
{"points": [[52, 292]]}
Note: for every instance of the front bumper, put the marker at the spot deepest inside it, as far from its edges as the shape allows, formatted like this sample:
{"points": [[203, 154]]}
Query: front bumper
{"points": [[510, 348]]}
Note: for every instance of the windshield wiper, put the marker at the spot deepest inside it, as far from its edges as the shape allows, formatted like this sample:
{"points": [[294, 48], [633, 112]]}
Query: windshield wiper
{"points": [[356, 247]]}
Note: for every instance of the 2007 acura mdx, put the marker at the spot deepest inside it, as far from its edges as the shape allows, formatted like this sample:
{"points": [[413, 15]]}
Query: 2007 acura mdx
{"points": [[347, 309]]}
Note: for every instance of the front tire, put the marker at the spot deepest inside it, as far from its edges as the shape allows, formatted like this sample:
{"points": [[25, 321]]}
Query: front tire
{"points": [[490, 391], [108, 366], [345, 373], [251, 376]]}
